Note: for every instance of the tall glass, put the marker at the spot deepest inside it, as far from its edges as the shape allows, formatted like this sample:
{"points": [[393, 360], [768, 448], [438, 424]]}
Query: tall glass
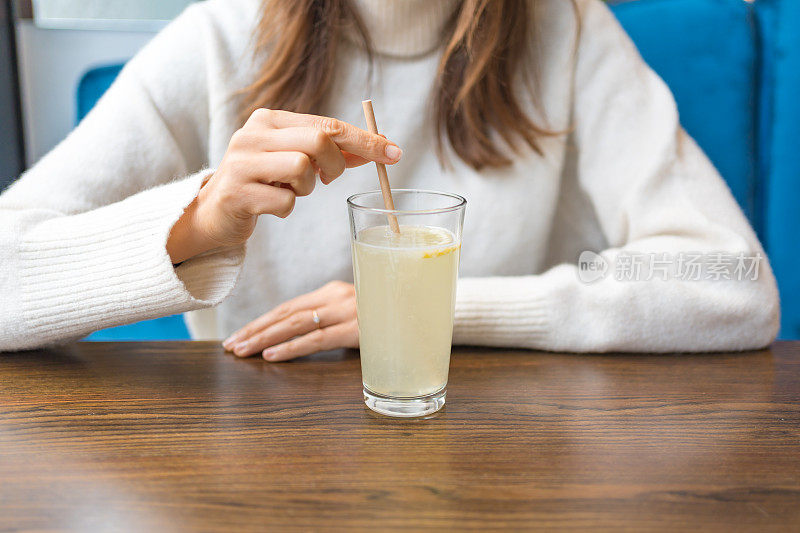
{"points": [[405, 295]]}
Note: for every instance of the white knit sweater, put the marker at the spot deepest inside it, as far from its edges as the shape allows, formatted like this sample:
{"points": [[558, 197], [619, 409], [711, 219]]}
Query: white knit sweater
{"points": [[83, 233]]}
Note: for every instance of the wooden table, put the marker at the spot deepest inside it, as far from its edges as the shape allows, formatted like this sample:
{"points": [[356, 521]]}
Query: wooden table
{"points": [[180, 436]]}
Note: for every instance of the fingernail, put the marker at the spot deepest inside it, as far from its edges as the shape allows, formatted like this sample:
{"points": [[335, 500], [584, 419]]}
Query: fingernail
{"points": [[240, 348], [230, 341], [393, 152], [269, 353]]}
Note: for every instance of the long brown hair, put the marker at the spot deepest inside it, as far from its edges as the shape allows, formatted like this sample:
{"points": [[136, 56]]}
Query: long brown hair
{"points": [[486, 44]]}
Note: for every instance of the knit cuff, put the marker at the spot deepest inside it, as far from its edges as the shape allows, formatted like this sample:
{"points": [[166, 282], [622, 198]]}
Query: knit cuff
{"points": [[110, 266], [501, 311]]}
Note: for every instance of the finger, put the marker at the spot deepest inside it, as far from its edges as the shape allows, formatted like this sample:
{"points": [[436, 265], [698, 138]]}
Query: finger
{"points": [[346, 136], [260, 199], [342, 335], [298, 323], [353, 160], [310, 300], [324, 153], [294, 169], [333, 291]]}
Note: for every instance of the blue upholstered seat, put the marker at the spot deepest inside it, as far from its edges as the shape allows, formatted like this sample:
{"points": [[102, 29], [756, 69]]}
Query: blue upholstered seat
{"points": [[90, 88], [734, 68], [705, 50]]}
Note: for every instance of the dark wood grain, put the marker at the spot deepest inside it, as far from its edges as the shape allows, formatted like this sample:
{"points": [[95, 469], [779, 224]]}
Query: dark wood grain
{"points": [[181, 436]]}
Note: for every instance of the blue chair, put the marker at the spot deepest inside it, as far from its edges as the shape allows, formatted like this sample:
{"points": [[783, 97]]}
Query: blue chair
{"points": [[779, 157], [90, 88], [734, 68]]}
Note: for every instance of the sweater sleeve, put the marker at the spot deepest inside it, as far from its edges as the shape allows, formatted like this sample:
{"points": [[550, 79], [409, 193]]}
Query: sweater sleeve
{"points": [[84, 231], [657, 199]]}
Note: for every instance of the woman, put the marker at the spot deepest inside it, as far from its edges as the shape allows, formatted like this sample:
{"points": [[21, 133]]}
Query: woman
{"points": [[546, 119]]}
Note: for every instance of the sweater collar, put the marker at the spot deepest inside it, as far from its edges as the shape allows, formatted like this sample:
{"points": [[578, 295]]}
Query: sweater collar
{"points": [[404, 28]]}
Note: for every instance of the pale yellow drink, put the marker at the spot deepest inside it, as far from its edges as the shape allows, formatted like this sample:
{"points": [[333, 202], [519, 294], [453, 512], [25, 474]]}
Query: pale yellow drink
{"points": [[405, 290]]}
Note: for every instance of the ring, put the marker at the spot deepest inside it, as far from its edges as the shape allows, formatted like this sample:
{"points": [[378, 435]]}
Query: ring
{"points": [[315, 318]]}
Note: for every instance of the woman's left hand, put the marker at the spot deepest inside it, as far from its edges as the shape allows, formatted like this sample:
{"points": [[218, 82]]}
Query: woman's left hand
{"points": [[324, 319]]}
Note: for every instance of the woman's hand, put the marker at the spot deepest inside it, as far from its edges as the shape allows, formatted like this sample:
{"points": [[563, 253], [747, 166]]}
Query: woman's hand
{"points": [[271, 160], [290, 330]]}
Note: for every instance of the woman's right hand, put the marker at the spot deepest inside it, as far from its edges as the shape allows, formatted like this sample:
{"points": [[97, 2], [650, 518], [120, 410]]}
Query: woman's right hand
{"points": [[271, 160]]}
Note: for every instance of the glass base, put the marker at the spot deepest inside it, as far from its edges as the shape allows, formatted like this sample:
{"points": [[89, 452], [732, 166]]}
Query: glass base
{"points": [[405, 407]]}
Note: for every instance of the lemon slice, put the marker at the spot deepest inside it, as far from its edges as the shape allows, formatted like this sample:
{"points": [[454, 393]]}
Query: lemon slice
{"points": [[440, 252]]}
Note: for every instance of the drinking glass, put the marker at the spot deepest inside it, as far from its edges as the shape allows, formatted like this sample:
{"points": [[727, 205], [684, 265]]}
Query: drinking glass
{"points": [[405, 294]]}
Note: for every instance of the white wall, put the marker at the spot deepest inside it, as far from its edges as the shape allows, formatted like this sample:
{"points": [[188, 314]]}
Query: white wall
{"points": [[51, 62], [80, 14]]}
